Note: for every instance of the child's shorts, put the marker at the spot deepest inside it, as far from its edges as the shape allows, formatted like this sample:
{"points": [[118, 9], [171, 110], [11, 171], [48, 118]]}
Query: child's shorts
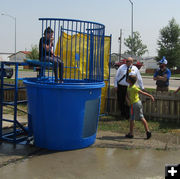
{"points": [[136, 111]]}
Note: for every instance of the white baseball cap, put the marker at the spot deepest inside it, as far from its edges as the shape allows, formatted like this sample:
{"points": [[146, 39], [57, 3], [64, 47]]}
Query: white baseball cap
{"points": [[163, 61]]}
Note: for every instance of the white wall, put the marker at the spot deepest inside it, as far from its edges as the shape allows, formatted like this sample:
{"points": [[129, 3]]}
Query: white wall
{"points": [[18, 58], [4, 57]]}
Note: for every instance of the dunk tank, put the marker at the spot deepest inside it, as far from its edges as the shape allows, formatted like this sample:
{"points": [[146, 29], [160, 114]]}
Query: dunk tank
{"points": [[64, 115]]}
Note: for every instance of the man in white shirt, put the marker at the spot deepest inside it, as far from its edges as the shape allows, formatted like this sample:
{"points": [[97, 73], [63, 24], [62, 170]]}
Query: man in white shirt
{"points": [[120, 84]]}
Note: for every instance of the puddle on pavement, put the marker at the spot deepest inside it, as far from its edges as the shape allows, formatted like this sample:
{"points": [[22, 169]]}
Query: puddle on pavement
{"points": [[94, 163]]}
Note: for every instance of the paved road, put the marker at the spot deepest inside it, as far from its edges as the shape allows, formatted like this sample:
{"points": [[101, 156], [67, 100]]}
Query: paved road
{"points": [[149, 82], [25, 74]]}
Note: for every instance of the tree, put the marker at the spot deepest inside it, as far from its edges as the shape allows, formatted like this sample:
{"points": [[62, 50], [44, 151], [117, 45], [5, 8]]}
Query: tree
{"points": [[34, 52], [135, 45], [169, 44]]}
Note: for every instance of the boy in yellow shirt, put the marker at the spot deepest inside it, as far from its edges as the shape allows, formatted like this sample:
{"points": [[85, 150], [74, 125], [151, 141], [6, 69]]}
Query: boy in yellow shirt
{"points": [[136, 111]]}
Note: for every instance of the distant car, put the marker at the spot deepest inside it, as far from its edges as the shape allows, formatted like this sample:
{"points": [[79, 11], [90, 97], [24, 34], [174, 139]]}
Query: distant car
{"points": [[118, 64], [8, 71], [123, 61]]}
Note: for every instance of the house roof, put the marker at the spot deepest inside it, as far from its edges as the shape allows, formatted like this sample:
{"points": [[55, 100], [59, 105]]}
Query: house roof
{"points": [[25, 52]]}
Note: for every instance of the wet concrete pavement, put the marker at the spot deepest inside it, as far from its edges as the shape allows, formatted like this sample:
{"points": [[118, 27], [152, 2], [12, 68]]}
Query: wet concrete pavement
{"points": [[112, 156], [30, 162]]}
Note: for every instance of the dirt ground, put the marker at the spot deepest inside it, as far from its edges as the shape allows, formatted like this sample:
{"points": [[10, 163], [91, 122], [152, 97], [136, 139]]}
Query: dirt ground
{"points": [[158, 141]]}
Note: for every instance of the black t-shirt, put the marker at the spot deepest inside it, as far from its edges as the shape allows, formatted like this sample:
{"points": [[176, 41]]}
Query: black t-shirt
{"points": [[161, 83], [43, 52]]}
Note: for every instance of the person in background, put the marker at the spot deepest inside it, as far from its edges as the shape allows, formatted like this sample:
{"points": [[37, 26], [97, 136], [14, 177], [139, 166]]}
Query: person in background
{"points": [[162, 76], [120, 84], [136, 109], [46, 53]]}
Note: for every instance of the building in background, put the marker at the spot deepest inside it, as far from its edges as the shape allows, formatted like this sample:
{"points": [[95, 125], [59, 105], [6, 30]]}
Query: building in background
{"points": [[5, 56], [19, 56], [149, 65]]}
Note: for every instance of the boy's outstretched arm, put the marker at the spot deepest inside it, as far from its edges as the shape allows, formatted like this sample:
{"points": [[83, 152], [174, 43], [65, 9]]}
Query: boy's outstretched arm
{"points": [[177, 90], [146, 94]]}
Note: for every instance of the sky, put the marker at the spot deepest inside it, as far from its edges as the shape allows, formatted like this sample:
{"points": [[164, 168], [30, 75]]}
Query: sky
{"points": [[149, 16]]}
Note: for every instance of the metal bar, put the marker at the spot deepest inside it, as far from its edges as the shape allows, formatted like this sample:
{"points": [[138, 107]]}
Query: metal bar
{"points": [[61, 46], [12, 103], [49, 53], [14, 63], [79, 49], [76, 61], [15, 132], [83, 56], [1, 98], [71, 48], [6, 84], [96, 59], [84, 32], [8, 120], [67, 48], [13, 88], [91, 56], [87, 55], [98, 55], [18, 124], [68, 20], [15, 101], [8, 138]]}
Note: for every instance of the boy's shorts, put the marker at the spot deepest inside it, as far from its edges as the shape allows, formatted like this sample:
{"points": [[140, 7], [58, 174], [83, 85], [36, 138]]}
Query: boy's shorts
{"points": [[136, 111]]}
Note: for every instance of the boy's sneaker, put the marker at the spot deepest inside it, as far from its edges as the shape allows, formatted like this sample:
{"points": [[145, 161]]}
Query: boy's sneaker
{"points": [[148, 134], [129, 136]]}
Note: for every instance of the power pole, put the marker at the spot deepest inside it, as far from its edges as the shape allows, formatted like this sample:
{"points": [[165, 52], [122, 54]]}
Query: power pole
{"points": [[132, 43], [120, 41]]}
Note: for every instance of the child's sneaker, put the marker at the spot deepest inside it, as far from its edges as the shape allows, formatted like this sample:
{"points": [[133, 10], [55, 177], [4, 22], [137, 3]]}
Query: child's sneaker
{"points": [[148, 134], [129, 136]]}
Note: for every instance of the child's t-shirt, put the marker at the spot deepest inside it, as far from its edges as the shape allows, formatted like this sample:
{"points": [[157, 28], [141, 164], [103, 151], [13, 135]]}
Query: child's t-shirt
{"points": [[133, 93]]}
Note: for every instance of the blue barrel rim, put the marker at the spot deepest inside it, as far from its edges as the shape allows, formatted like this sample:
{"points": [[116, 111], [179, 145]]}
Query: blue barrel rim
{"points": [[74, 85]]}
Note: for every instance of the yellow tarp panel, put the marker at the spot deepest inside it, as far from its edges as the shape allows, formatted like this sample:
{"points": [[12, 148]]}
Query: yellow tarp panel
{"points": [[70, 47], [107, 43], [74, 54]]}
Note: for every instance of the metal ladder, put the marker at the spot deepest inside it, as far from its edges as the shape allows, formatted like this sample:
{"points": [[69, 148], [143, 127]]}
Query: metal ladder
{"points": [[17, 133]]}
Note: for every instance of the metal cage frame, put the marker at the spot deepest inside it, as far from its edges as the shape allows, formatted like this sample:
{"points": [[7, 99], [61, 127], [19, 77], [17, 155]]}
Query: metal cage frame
{"points": [[82, 53]]}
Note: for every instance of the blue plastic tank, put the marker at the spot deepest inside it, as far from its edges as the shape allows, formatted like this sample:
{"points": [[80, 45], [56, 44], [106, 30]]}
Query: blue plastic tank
{"points": [[63, 116]]}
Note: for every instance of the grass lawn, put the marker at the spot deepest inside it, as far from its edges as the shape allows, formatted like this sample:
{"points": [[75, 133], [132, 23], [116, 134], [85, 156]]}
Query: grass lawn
{"points": [[109, 123]]}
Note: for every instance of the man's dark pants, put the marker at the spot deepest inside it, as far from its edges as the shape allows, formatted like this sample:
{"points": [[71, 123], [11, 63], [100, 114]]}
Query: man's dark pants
{"points": [[121, 97], [58, 64]]}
